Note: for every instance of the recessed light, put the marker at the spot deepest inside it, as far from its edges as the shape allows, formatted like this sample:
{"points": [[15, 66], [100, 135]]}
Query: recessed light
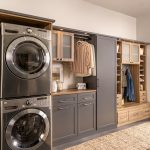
{"points": [[61, 29]]}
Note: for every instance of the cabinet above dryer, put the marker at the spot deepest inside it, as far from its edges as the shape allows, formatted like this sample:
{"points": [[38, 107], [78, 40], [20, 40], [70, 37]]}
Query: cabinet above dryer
{"points": [[62, 46]]}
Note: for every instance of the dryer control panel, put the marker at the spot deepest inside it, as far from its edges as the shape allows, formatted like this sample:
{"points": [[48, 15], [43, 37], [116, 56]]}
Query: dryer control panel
{"points": [[18, 104], [13, 29]]}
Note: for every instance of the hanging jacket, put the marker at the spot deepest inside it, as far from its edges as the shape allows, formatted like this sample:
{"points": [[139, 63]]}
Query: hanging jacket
{"points": [[129, 94]]}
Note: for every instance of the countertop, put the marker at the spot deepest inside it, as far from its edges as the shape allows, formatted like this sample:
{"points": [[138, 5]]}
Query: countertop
{"points": [[72, 91]]}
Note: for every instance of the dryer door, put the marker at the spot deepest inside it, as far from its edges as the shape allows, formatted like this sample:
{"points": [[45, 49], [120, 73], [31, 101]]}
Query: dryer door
{"points": [[27, 57], [27, 130]]}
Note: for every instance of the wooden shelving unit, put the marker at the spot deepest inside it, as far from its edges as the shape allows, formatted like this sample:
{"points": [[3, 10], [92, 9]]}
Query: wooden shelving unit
{"points": [[142, 76], [129, 112], [119, 67], [119, 75]]}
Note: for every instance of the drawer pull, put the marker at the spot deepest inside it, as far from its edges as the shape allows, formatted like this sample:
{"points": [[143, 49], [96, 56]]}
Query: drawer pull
{"points": [[87, 98], [62, 101], [60, 108], [135, 114], [87, 104]]}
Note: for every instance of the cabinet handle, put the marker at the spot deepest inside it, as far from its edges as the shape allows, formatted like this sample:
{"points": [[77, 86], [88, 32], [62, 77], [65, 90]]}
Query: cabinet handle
{"points": [[98, 83], [57, 58], [61, 59]]}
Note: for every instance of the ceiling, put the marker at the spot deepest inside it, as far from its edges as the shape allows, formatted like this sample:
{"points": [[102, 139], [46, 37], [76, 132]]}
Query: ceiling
{"points": [[133, 8]]}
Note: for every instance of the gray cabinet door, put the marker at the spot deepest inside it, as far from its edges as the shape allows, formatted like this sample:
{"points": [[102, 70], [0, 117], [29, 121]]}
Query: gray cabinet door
{"points": [[64, 122], [86, 117], [106, 86]]}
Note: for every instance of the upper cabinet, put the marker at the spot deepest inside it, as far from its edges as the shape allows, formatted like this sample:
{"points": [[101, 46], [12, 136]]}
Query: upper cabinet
{"points": [[63, 46], [135, 53], [130, 53]]}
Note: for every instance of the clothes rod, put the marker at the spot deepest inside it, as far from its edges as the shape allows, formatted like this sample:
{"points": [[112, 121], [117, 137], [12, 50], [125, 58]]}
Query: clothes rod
{"points": [[81, 37], [82, 34]]}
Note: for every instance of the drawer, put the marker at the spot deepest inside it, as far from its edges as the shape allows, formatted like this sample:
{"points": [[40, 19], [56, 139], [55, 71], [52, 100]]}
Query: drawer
{"points": [[64, 100], [122, 117], [135, 114], [142, 93], [84, 97], [119, 96], [143, 99], [146, 112], [119, 103]]}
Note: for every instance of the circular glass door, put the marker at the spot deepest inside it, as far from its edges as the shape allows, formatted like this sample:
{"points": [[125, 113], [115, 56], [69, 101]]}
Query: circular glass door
{"points": [[27, 130], [27, 57]]}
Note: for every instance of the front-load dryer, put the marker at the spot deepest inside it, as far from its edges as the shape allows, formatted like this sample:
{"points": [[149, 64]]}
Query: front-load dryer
{"points": [[25, 61], [26, 124]]}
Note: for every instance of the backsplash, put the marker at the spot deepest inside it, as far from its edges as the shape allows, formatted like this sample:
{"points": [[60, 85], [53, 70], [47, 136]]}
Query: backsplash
{"points": [[70, 80]]}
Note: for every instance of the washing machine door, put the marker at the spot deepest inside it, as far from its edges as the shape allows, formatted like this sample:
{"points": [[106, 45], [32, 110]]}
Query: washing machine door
{"points": [[27, 57], [27, 130]]}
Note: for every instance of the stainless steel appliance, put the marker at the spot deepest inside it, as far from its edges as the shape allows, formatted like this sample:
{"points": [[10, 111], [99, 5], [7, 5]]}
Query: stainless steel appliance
{"points": [[25, 61], [26, 124]]}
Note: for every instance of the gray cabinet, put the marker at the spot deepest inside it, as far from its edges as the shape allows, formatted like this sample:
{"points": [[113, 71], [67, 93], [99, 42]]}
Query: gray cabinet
{"points": [[106, 86], [86, 117], [73, 115], [86, 112], [64, 117]]}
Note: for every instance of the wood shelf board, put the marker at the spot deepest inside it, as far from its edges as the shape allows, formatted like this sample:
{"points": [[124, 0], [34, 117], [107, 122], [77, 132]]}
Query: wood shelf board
{"points": [[72, 91], [23, 19], [131, 104]]}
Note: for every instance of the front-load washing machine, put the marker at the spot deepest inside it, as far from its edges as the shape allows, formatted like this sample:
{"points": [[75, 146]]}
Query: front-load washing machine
{"points": [[26, 124], [25, 61]]}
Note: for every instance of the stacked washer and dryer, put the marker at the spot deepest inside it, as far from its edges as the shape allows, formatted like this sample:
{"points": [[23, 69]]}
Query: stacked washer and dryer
{"points": [[25, 76]]}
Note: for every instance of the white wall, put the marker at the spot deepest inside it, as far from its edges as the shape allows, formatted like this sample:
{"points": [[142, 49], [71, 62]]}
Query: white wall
{"points": [[143, 34], [143, 28], [77, 14]]}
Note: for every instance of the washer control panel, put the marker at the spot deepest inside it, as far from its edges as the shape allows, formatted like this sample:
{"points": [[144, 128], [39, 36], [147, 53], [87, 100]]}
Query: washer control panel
{"points": [[17, 104]]}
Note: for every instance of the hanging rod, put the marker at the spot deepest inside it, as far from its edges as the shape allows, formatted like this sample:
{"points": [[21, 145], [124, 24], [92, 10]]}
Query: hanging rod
{"points": [[81, 37], [82, 34]]}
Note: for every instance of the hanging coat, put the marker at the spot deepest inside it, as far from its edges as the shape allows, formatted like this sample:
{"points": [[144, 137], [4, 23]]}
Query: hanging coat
{"points": [[129, 94]]}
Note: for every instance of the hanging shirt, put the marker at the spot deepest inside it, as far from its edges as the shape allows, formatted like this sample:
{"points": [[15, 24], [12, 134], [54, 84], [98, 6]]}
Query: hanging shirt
{"points": [[84, 61]]}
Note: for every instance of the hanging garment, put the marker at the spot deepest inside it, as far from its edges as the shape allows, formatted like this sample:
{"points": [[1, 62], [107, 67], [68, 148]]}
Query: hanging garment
{"points": [[84, 59], [124, 79], [94, 61], [129, 94]]}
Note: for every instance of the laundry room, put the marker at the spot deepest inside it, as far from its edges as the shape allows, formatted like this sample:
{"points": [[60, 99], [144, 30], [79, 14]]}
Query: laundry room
{"points": [[74, 75]]}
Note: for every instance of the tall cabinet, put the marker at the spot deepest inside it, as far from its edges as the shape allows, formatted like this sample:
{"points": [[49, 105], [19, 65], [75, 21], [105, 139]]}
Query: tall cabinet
{"points": [[106, 82]]}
